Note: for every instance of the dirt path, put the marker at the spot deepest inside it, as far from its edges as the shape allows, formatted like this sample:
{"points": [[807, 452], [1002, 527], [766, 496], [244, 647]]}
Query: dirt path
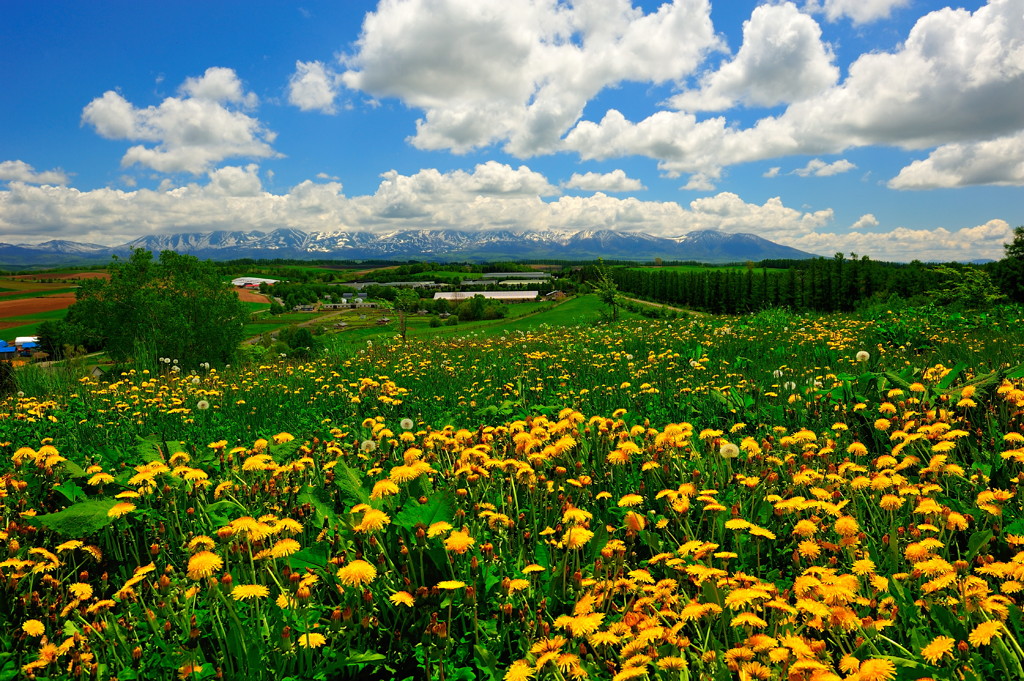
{"points": [[648, 303]]}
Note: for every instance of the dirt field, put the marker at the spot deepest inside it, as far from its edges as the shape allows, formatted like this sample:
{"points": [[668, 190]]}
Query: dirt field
{"points": [[16, 308], [247, 296], [70, 276]]}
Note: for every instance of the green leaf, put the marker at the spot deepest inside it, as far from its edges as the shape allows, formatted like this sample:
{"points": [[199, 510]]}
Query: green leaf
{"points": [[153, 448], [542, 554], [284, 450], [71, 491], [951, 376], [350, 483], [486, 662], [314, 557], [365, 657], [223, 512], [321, 502], [977, 542], [439, 507], [74, 469], [950, 624], [82, 519]]}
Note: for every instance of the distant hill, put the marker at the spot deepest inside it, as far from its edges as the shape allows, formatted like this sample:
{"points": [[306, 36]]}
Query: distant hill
{"points": [[707, 245]]}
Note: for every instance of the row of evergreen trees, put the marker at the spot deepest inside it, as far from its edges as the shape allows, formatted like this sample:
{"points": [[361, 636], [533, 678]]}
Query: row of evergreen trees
{"points": [[820, 284]]}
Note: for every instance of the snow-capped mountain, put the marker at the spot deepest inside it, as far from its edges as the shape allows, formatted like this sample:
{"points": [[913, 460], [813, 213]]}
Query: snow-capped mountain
{"points": [[443, 244]]}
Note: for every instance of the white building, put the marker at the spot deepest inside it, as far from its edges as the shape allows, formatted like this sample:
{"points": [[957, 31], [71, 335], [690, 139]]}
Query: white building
{"points": [[503, 296], [252, 282]]}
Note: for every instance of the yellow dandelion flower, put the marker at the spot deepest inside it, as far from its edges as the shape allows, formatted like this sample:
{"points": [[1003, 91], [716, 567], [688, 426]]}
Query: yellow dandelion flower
{"points": [[459, 541], [438, 528], [748, 619], [402, 598], [863, 566], [631, 500], [204, 564], [577, 537], [982, 634], [521, 670], [81, 591], [876, 670], [284, 547], [201, 542], [120, 509], [450, 585], [244, 592], [357, 573], [312, 640], [937, 649], [384, 488], [33, 628], [809, 548], [847, 526], [373, 521]]}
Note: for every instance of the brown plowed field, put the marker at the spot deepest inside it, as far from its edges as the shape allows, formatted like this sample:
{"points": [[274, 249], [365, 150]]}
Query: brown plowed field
{"points": [[16, 308], [247, 296], [63, 277]]}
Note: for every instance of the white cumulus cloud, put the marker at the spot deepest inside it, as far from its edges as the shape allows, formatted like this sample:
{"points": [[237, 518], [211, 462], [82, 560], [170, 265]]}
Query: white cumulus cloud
{"points": [[998, 161], [615, 181], [519, 73], [957, 79], [19, 171], [489, 196], [859, 11], [782, 59], [818, 168], [313, 87], [867, 220], [204, 125]]}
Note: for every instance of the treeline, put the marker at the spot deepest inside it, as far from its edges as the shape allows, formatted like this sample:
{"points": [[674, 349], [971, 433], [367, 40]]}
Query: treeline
{"points": [[820, 284]]}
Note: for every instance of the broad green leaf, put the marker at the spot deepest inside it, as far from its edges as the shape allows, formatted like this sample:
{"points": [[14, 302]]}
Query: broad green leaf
{"points": [[71, 491], [948, 379], [82, 519], [154, 449], [364, 657], [350, 484], [223, 512], [313, 557], [486, 662], [977, 542], [321, 502], [284, 450], [74, 470], [439, 507]]}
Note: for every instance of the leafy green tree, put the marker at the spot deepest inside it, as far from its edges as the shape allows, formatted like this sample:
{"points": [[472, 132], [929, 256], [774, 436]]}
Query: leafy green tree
{"points": [[406, 303], [607, 291], [1008, 273], [175, 307], [967, 287]]}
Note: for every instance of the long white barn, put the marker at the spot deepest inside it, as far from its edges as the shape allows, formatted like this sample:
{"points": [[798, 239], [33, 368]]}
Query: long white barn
{"points": [[503, 296]]}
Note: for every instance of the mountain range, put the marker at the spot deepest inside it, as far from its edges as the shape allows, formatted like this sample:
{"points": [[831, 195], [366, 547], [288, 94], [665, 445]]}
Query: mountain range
{"points": [[707, 245]]}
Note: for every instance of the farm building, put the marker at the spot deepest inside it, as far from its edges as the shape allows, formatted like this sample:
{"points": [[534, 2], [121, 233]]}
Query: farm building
{"points": [[502, 296], [252, 282]]}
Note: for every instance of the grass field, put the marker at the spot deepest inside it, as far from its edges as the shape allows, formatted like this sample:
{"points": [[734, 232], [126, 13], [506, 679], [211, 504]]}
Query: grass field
{"points": [[774, 496]]}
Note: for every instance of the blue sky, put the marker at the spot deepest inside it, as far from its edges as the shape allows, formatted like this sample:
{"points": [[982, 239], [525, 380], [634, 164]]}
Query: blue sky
{"points": [[893, 128]]}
